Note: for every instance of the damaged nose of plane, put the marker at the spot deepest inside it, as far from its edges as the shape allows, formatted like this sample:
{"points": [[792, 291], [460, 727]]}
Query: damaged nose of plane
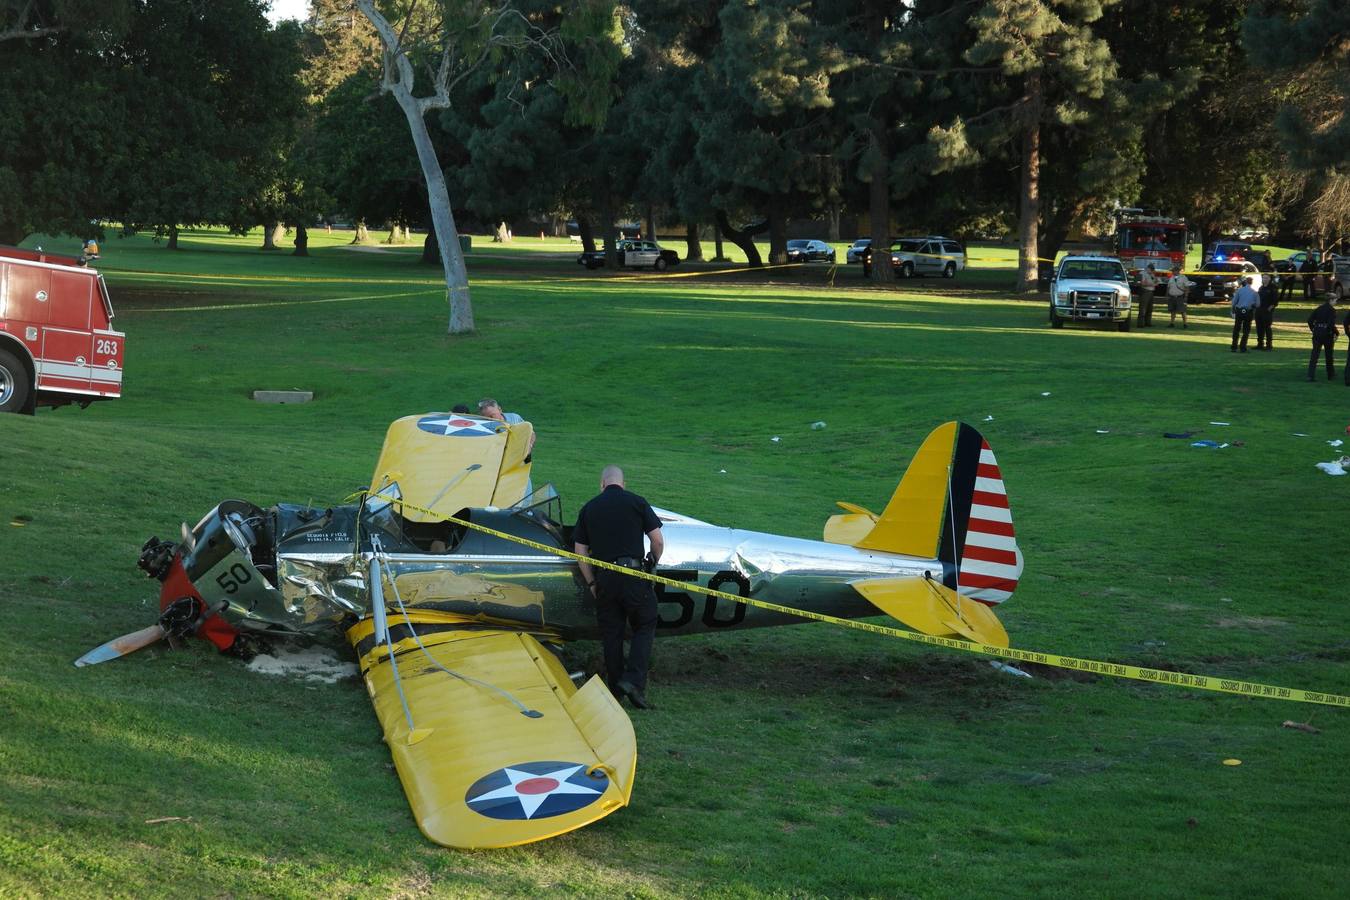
{"points": [[156, 557]]}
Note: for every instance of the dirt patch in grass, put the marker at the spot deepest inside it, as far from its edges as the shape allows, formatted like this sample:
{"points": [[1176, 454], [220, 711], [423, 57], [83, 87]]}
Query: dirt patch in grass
{"points": [[1260, 622]]}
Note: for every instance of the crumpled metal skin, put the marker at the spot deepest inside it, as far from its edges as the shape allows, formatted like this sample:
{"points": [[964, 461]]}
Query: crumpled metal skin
{"points": [[321, 558]]}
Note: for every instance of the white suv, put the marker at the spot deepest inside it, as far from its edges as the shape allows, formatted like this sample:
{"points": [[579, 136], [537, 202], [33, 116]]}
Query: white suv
{"points": [[1090, 289], [933, 255]]}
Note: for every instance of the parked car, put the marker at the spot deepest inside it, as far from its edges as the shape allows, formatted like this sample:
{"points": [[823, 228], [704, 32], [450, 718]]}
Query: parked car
{"points": [[809, 251], [1225, 250], [633, 254], [1219, 280], [1090, 289], [1293, 261], [854, 253], [1338, 279], [932, 255]]}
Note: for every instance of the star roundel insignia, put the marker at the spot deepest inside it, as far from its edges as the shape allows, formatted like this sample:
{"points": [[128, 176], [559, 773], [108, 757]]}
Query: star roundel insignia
{"points": [[460, 426], [535, 790]]}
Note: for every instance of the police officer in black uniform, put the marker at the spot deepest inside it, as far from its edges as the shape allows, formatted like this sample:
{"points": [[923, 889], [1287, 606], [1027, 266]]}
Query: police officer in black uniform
{"points": [[1322, 324], [1265, 313], [610, 528], [1345, 326]]}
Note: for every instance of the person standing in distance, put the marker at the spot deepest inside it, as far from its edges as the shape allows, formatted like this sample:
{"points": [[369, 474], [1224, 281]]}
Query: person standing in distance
{"points": [[1308, 269], [1322, 324], [1148, 286], [1345, 326], [1178, 286], [1265, 314], [610, 528], [1245, 302]]}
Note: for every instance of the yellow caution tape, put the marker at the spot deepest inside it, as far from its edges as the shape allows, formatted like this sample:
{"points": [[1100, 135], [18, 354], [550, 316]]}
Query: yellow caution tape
{"points": [[1114, 670]]}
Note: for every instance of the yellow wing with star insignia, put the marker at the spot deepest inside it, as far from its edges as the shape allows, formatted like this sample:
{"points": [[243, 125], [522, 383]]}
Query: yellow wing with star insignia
{"points": [[494, 744], [445, 462]]}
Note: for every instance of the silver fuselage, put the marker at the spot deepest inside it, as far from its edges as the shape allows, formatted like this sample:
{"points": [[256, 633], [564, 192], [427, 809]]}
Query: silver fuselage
{"points": [[320, 582]]}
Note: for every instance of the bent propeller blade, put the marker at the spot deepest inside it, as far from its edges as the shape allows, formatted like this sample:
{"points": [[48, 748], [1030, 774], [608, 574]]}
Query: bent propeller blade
{"points": [[127, 643]]}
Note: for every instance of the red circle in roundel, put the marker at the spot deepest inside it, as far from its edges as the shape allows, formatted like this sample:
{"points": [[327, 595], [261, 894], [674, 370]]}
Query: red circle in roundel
{"points": [[536, 785]]}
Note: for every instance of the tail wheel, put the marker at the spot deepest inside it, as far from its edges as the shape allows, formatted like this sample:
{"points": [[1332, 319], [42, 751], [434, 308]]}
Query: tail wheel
{"points": [[907, 270], [660, 264], [14, 383], [949, 271]]}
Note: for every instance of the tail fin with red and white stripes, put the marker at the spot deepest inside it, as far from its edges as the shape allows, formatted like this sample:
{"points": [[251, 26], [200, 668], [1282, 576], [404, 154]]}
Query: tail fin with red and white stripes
{"points": [[950, 505]]}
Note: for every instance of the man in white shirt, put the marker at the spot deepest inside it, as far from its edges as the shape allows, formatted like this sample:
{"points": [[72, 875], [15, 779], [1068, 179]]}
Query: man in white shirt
{"points": [[1178, 287]]}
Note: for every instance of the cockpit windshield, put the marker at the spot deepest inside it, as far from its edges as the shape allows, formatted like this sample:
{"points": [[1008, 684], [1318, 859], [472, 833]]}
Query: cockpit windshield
{"points": [[544, 503]]}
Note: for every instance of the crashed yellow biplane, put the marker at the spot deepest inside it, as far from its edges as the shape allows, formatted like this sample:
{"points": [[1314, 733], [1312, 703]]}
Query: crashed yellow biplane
{"points": [[455, 624]]}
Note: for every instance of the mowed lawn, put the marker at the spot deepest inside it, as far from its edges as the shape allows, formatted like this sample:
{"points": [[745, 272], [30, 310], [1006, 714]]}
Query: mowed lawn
{"points": [[802, 761]]}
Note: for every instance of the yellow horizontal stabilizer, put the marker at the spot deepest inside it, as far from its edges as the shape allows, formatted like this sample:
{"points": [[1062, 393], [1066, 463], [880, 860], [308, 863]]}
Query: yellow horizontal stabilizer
{"points": [[933, 608], [477, 771], [848, 528], [852, 527]]}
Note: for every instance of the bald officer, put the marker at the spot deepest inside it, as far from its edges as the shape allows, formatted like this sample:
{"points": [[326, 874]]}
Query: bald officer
{"points": [[610, 528]]}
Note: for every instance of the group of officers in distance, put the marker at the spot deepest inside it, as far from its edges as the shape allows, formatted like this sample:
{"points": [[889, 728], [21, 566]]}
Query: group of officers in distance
{"points": [[1255, 301]]}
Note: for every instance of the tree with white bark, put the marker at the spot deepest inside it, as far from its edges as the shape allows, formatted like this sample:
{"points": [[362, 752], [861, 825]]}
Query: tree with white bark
{"points": [[453, 39]]}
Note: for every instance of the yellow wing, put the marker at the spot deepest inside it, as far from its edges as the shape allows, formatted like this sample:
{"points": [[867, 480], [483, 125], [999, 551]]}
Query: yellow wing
{"points": [[477, 770], [447, 462], [515, 471]]}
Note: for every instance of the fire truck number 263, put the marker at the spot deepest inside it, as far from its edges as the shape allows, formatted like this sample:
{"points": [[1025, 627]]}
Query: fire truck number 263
{"points": [[57, 345]]}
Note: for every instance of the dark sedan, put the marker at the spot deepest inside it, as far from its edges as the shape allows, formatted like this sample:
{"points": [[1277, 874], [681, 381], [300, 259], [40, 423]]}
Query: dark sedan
{"points": [[1219, 280], [809, 251]]}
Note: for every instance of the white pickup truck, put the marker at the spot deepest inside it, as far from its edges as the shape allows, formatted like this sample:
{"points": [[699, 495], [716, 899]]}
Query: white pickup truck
{"points": [[1090, 289]]}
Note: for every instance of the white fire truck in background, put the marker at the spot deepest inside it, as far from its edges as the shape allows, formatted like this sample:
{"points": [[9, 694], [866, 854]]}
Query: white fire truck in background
{"points": [[57, 345]]}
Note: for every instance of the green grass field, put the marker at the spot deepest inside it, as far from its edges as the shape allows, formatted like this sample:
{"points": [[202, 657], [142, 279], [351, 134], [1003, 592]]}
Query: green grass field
{"points": [[803, 761]]}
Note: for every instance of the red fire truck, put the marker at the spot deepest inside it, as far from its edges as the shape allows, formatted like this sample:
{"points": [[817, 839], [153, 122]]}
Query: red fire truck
{"points": [[1143, 239], [57, 345]]}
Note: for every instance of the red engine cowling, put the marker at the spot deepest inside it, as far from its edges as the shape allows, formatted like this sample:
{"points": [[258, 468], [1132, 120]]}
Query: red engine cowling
{"points": [[175, 586]]}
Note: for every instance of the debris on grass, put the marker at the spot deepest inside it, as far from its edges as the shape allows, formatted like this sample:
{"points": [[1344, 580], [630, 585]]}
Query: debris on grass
{"points": [[1300, 726], [1232, 762], [1336, 443], [162, 819], [1335, 466], [1045, 393], [817, 426], [1221, 423], [989, 418], [1179, 435], [1102, 431], [775, 438], [1007, 669], [309, 664], [1210, 444]]}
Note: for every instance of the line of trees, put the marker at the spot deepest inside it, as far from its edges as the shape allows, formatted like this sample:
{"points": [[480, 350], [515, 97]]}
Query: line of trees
{"points": [[1033, 117]]}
